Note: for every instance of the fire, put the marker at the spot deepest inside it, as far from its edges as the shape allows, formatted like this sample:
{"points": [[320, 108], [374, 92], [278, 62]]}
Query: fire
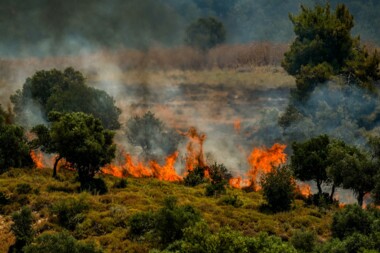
{"points": [[239, 182], [37, 158], [194, 156], [262, 160], [304, 189], [165, 172]]}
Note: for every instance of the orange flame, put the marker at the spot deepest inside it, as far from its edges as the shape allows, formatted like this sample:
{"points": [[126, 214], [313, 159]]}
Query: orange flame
{"points": [[239, 182], [37, 158], [304, 189], [194, 156], [153, 169]]}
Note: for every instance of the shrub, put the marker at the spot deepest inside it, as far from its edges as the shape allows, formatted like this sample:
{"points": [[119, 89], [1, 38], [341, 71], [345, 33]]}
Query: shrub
{"points": [[303, 241], [195, 177], [95, 186], [231, 200], [120, 184], [59, 243], [4, 199], [349, 220], [219, 177], [22, 228], [70, 212], [141, 223], [278, 189], [23, 189]]}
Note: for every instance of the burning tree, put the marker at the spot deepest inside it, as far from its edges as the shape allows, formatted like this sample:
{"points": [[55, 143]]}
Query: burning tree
{"points": [[81, 140]]}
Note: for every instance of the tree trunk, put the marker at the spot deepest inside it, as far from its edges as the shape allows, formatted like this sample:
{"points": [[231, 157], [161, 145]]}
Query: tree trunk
{"points": [[319, 187], [332, 193], [55, 166], [360, 198]]}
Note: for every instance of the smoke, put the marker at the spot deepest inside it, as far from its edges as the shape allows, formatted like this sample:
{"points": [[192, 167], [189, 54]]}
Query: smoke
{"points": [[345, 112]]}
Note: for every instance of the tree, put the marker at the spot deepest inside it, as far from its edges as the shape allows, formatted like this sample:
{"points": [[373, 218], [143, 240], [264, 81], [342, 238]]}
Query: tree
{"points": [[14, 149], [205, 33], [81, 140], [151, 134], [65, 91], [309, 160], [278, 188], [351, 168], [324, 47]]}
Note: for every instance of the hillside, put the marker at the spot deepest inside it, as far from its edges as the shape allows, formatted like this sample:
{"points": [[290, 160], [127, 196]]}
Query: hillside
{"points": [[106, 221]]}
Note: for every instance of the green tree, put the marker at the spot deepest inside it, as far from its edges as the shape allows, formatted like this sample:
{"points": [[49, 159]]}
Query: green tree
{"points": [[14, 149], [81, 140], [205, 33], [22, 228], [324, 47], [278, 189], [351, 168], [309, 160], [65, 91], [151, 134]]}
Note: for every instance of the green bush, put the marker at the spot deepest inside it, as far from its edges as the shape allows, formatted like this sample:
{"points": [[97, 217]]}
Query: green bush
{"points": [[120, 184], [231, 200], [195, 177], [350, 220], [22, 228], [278, 189], [23, 189], [59, 243], [304, 241], [219, 177], [70, 212], [95, 186], [141, 223]]}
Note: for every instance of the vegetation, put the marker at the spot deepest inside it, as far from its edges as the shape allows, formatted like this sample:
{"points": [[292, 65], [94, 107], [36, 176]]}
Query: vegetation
{"points": [[149, 133], [219, 177], [81, 140], [205, 33], [54, 90], [22, 228], [278, 189], [14, 149]]}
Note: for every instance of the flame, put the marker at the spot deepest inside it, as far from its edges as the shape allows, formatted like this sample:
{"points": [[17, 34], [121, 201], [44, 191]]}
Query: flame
{"points": [[164, 172], [239, 182], [37, 158], [304, 189], [194, 155], [262, 160]]}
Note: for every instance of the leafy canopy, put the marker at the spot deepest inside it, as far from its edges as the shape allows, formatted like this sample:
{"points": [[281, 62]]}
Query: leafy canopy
{"points": [[66, 91]]}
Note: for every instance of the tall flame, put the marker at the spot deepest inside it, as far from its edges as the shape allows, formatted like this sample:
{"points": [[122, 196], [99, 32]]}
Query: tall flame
{"points": [[194, 155], [37, 158]]}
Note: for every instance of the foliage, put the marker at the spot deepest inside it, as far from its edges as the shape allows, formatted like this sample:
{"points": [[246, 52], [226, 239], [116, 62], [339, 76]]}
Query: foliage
{"points": [[352, 219], [22, 228], [66, 91], [231, 200], [70, 212], [172, 219], [205, 33], [324, 47], [14, 149], [304, 241], [61, 242], [309, 160], [151, 134], [278, 189], [95, 186], [351, 168], [82, 141], [23, 188], [195, 176], [199, 239], [141, 223], [219, 178], [120, 184]]}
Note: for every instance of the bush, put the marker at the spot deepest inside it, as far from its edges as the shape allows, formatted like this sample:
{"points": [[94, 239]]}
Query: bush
{"points": [[231, 200], [95, 186], [59, 243], [219, 177], [141, 223], [22, 228], [195, 177], [304, 241], [23, 189], [350, 220], [70, 212], [172, 219], [120, 184], [278, 189]]}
